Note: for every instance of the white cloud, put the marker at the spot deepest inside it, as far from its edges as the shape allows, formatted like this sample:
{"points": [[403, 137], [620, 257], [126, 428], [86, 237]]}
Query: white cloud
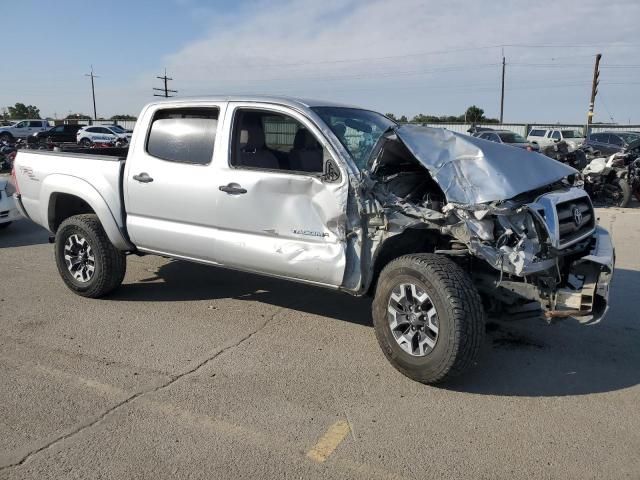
{"points": [[292, 47]]}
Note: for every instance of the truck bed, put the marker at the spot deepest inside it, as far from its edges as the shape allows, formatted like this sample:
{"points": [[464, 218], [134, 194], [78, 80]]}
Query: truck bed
{"points": [[40, 172]]}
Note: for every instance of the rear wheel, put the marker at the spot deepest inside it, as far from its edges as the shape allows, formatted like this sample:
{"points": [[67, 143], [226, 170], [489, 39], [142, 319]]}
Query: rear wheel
{"points": [[85, 142], [428, 317], [6, 137], [87, 261]]}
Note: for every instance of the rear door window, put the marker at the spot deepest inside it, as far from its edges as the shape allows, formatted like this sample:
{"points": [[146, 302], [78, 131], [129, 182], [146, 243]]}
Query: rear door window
{"points": [[183, 135]]}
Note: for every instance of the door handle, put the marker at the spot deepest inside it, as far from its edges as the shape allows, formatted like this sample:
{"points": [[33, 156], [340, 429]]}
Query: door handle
{"points": [[143, 177], [232, 189]]}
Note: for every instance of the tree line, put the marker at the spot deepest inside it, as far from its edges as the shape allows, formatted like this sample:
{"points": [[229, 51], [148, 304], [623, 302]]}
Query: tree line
{"points": [[473, 114], [21, 111]]}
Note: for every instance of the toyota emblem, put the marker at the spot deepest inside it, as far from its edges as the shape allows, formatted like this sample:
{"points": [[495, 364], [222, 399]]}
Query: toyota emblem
{"points": [[577, 216]]}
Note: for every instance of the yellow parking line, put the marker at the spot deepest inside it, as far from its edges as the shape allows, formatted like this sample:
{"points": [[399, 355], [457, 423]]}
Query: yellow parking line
{"points": [[329, 441]]}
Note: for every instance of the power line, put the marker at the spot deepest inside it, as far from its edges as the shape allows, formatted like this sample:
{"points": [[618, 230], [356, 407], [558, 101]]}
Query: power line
{"points": [[166, 87], [431, 52]]}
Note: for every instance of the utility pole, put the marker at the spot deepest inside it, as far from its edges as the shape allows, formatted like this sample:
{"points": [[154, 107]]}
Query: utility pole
{"points": [[166, 87], [504, 63], [594, 92], [93, 91]]}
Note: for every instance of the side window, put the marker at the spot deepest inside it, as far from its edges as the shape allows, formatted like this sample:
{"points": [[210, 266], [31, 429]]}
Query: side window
{"points": [[183, 135], [555, 135], [37, 124], [274, 141], [58, 129], [21, 125], [91, 130], [536, 133], [105, 131]]}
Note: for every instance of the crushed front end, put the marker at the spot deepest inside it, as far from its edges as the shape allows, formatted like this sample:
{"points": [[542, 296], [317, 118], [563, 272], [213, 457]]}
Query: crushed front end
{"points": [[509, 217], [549, 250]]}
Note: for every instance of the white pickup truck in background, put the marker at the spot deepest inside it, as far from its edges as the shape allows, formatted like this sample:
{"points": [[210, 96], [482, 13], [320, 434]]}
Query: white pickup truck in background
{"points": [[435, 225], [23, 129]]}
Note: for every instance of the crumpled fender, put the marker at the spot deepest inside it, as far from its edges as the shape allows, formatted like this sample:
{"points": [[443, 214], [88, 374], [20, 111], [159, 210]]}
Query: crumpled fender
{"points": [[58, 183]]}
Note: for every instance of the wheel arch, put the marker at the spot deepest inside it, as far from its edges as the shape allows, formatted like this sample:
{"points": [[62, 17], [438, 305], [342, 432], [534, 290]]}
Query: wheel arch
{"points": [[62, 196], [411, 240]]}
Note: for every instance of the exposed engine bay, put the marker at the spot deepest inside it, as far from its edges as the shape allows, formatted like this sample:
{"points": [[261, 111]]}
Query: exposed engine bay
{"points": [[539, 243]]}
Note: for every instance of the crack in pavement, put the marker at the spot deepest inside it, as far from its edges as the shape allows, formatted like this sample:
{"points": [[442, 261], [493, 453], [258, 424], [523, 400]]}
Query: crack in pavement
{"points": [[173, 379]]}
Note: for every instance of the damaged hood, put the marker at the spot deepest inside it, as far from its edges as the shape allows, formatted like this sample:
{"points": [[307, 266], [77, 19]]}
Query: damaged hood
{"points": [[472, 170]]}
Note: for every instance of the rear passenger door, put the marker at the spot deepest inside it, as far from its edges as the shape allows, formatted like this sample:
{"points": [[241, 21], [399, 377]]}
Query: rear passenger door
{"points": [[171, 184], [277, 211]]}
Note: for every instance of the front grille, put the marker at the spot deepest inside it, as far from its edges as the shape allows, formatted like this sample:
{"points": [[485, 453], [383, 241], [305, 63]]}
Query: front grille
{"points": [[568, 216], [575, 219], [4, 214]]}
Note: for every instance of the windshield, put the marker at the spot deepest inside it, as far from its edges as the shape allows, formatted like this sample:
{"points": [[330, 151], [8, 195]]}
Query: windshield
{"points": [[629, 137], [117, 129], [571, 134], [510, 137], [358, 130]]}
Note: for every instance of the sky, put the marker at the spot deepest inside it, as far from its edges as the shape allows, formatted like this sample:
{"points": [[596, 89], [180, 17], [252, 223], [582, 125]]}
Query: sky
{"points": [[402, 56]]}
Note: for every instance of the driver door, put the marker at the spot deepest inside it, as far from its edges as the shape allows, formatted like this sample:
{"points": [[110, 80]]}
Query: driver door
{"points": [[276, 213]]}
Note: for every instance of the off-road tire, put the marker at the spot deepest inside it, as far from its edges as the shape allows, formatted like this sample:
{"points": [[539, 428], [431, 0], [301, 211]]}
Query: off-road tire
{"points": [[110, 263], [461, 317]]}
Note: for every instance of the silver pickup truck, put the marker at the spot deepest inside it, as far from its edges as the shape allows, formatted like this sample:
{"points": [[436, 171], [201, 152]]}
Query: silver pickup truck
{"points": [[437, 226]]}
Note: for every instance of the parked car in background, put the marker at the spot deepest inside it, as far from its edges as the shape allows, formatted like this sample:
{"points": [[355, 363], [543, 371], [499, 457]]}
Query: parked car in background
{"points": [[508, 137], [23, 129], [57, 134], [614, 142], [8, 210], [547, 136], [87, 136], [438, 218], [474, 131]]}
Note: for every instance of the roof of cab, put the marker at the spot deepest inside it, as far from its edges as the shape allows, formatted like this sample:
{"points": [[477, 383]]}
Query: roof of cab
{"points": [[277, 100]]}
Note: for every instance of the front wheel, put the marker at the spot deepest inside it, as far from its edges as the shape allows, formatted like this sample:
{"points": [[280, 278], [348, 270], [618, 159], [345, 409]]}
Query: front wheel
{"points": [[428, 317], [87, 261], [618, 193]]}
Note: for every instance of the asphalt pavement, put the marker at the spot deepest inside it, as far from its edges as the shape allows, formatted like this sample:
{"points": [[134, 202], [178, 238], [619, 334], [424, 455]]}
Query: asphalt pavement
{"points": [[190, 371]]}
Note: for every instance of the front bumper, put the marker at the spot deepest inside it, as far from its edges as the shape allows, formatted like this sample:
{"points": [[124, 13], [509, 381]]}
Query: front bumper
{"points": [[586, 298]]}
